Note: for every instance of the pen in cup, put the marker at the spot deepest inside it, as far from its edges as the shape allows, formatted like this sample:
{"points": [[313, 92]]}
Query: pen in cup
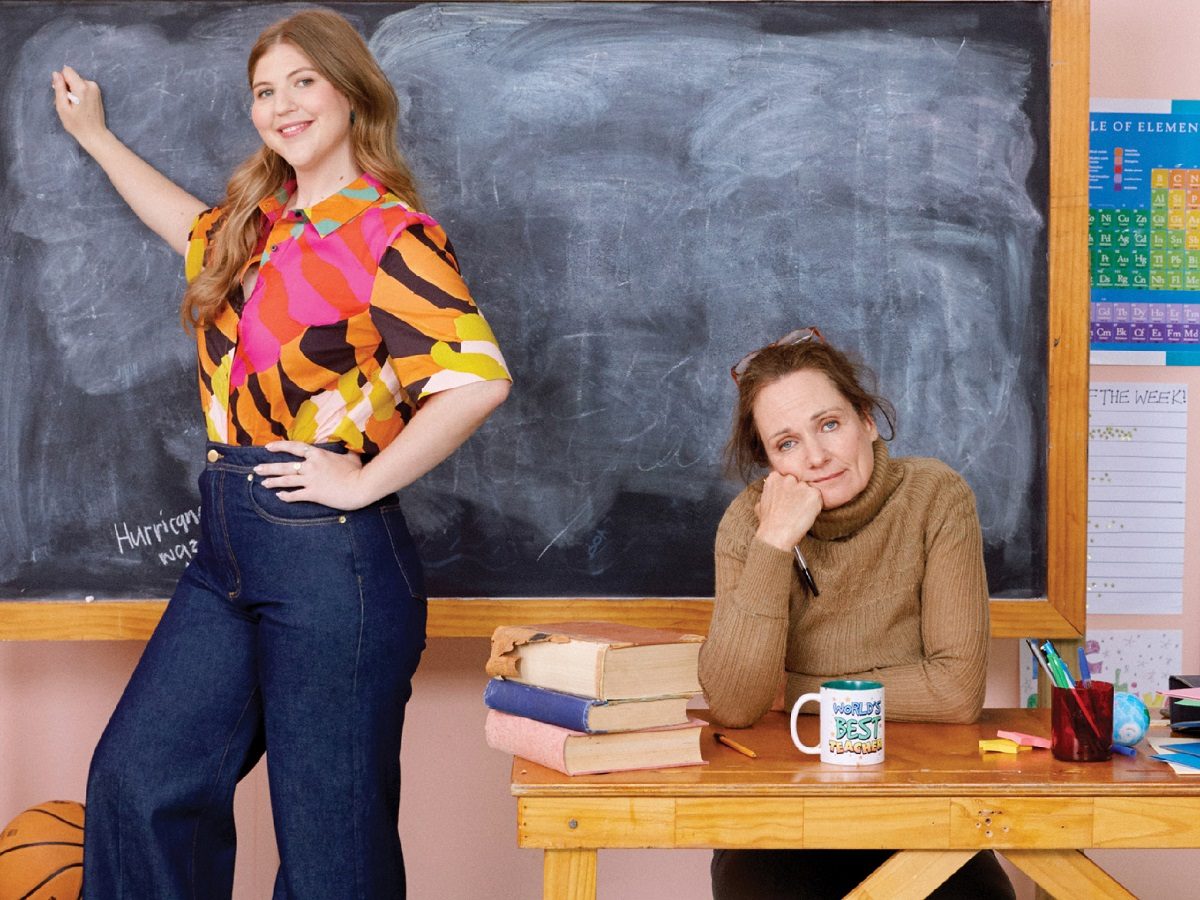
{"points": [[1085, 671], [1041, 658], [808, 579], [1064, 680], [1062, 674]]}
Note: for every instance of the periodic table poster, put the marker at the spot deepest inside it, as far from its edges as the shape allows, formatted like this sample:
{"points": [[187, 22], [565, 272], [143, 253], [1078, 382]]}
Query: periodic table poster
{"points": [[1144, 231]]}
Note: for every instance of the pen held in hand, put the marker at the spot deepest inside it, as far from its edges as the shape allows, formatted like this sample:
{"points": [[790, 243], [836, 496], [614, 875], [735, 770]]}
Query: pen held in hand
{"points": [[807, 575]]}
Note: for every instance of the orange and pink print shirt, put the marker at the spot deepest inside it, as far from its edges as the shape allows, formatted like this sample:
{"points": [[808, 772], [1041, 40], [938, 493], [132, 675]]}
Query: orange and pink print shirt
{"points": [[358, 313]]}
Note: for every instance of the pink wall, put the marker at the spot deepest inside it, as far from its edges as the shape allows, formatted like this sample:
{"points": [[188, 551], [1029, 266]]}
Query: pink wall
{"points": [[459, 821]]}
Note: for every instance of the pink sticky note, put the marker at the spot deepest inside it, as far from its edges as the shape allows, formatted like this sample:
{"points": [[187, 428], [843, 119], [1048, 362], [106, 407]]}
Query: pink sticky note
{"points": [[1025, 740]]}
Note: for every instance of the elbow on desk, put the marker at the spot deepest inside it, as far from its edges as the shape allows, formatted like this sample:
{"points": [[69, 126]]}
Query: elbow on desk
{"points": [[728, 715], [960, 708]]}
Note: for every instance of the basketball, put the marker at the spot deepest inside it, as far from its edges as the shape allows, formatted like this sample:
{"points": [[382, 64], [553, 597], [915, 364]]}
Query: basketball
{"points": [[41, 853]]}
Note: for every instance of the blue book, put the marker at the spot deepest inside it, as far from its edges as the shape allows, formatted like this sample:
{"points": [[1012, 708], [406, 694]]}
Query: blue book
{"points": [[583, 713]]}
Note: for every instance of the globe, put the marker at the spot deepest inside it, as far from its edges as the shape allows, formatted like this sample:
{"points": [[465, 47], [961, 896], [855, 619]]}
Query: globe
{"points": [[1130, 719]]}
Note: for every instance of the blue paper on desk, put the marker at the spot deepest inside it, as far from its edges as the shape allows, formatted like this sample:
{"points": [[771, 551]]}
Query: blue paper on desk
{"points": [[1179, 759], [1192, 748]]}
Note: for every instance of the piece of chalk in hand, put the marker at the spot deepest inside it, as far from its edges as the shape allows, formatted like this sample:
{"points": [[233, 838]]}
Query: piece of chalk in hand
{"points": [[74, 99]]}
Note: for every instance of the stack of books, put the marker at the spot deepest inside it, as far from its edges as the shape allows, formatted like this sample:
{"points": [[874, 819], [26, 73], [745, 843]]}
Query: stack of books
{"points": [[590, 697]]}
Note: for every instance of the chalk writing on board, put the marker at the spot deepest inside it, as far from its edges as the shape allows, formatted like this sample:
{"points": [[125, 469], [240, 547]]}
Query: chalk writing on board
{"points": [[167, 538], [638, 194]]}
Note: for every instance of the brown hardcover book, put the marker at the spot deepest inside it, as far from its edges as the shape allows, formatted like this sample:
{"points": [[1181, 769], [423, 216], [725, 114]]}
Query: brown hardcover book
{"points": [[602, 660], [576, 753]]}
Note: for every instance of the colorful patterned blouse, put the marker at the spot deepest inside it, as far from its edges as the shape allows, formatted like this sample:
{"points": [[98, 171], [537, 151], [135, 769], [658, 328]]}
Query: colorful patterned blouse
{"points": [[358, 313]]}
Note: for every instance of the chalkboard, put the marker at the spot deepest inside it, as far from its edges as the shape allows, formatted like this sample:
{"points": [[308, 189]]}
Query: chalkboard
{"points": [[638, 194]]}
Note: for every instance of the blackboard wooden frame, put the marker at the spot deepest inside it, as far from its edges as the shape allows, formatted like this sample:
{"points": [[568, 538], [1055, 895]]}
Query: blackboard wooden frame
{"points": [[1061, 613]]}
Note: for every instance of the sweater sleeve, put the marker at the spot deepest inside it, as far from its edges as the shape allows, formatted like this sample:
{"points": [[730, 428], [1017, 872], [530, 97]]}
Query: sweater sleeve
{"points": [[741, 662], [949, 681]]}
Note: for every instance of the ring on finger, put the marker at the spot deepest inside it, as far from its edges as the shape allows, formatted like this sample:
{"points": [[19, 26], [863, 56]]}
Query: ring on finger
{"points": [[298, 467]]}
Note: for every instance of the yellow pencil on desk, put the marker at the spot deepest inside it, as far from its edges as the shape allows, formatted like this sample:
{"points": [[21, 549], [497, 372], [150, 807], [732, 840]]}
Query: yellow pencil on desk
{"points": [[734, 745]]}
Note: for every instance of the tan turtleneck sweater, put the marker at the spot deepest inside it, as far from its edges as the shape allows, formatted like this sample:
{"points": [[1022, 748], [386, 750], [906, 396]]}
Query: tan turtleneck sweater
{"points": [[903, 601]]}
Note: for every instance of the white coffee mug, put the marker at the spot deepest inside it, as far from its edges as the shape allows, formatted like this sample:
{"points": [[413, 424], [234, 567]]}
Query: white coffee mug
{"points": [[851, 723]]}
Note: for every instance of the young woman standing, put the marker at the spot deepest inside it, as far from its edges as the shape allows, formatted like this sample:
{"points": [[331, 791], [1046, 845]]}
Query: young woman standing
{"points": [[341, 357]]}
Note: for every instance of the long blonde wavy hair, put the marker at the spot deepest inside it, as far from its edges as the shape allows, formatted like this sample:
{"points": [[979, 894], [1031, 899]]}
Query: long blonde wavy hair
{"points": [[340, 55]]}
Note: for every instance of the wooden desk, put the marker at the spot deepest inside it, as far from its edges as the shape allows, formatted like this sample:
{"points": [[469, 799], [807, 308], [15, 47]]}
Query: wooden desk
{"points": [[936, 798]]}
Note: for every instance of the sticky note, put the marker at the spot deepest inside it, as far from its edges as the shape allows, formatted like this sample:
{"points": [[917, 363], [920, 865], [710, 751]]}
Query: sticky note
{"points": [[1003, 745], [1025, 740]]}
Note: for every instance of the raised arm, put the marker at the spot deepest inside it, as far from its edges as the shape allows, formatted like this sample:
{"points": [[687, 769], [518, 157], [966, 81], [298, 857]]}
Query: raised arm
{"points": [[165, 208], [742, 662]]}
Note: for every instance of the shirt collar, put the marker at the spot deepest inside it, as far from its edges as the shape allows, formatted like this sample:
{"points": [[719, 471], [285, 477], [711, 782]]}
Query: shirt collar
{"points": [[332, 212]]}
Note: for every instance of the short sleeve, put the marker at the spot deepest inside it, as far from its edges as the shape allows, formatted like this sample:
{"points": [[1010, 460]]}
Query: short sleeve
{"points": [[197, 244], [435, 336]]}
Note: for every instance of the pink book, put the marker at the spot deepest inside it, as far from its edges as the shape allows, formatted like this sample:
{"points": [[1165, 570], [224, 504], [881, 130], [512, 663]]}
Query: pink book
{"points": [[579, 753]]}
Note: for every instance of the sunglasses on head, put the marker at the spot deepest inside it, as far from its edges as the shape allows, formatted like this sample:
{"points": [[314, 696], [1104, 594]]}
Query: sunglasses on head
{"points": [[799, 336]]}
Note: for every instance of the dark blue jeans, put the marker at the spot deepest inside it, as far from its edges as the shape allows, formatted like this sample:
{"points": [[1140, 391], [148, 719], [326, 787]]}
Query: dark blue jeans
{"points": [[295, 630]]}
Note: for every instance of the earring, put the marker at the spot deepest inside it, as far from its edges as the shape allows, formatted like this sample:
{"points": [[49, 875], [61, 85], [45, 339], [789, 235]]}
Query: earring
{"points": [[351, 117]]}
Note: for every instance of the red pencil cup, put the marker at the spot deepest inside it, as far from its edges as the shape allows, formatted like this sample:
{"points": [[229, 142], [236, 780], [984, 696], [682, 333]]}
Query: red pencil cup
{"points": [[1081, 722]]}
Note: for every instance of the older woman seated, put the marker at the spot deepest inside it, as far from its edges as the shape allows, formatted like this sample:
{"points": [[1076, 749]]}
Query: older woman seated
{"points": [[895, 590]]}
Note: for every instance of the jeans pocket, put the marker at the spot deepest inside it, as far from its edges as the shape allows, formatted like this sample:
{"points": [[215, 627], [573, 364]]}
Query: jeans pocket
{"points": [[268, 505], [408, 561]]}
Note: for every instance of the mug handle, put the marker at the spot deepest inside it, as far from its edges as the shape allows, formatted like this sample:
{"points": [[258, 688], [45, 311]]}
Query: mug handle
{"points": [[800, 701]]}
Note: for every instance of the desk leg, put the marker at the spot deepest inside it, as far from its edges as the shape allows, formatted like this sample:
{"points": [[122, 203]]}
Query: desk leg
{"points": [[1067, 873], [569, 875], [911, 874]]}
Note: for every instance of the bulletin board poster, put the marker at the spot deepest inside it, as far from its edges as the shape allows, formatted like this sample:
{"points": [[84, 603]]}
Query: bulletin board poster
{"points": [[1144, 231]]}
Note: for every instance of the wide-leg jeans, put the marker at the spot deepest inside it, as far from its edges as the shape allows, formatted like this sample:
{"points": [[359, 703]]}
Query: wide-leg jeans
{"points": [[296, 630]]}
